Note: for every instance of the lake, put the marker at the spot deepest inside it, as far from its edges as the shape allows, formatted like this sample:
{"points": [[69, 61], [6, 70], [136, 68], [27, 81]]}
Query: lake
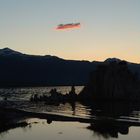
{"points": [[78, 121]]}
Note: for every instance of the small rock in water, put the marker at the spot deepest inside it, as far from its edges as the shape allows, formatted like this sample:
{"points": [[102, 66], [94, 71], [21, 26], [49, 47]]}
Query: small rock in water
{"points": [[60, 133]]}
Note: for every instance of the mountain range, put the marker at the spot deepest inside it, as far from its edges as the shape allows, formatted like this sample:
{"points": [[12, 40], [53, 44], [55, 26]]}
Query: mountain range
{"points": [[18, 69]]}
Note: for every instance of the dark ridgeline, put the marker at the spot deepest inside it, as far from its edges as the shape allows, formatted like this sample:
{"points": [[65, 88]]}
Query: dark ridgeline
{"points": [[112, 81], [17, 69]]}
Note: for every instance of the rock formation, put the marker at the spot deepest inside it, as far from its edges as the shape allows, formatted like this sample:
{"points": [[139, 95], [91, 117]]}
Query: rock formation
{"points": [[112, 81], [56, 97]]}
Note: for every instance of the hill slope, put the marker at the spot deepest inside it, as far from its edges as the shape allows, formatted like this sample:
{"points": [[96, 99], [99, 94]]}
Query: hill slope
{"points": [[18, 69]]}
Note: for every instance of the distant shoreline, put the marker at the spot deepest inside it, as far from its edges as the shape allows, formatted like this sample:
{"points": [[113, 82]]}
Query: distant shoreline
{"points": [[30, 86]]}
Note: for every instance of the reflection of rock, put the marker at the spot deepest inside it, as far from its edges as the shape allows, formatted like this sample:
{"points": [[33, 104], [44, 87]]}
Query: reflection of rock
{"points": [[108, 129], [113, 118], [113, 109], [105, 122], [11, 119], [112, 81]]}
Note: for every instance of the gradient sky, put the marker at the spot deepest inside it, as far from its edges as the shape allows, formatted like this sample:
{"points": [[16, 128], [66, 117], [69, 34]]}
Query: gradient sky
{"points": [[109, 28]]}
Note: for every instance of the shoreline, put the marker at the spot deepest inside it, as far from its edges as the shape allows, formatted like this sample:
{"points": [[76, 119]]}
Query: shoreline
{"points": [[64, 118]]}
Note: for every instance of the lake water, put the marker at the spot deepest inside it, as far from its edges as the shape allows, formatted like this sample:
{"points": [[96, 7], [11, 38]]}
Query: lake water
{"points": [[63, 131], [99, 121]]}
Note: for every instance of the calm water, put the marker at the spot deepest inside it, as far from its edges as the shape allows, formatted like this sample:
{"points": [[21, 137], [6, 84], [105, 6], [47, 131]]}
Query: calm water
{"points": [[102, 120], [63, 131]]}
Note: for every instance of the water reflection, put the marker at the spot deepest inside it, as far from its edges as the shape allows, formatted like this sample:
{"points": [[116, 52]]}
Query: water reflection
{"points": [[113, 109], [109, 129], [106, 119], [114, 118], [10, 120]]}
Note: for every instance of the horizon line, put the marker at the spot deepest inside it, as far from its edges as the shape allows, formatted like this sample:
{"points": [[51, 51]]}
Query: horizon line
{"points": [[70, 58]]}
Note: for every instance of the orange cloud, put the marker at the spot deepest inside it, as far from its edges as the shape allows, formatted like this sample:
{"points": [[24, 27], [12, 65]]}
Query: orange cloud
{"points": [[68, 26]]}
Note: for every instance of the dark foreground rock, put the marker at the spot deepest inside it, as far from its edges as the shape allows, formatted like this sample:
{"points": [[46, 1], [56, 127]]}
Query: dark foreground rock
{"points": [[112, 81]]}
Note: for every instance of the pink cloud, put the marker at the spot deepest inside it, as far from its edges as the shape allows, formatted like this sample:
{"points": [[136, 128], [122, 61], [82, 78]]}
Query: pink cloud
{"points": [[68, 26]]}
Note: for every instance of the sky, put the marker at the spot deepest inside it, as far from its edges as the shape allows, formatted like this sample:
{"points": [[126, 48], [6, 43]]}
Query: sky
{"points": [[109, 28]]}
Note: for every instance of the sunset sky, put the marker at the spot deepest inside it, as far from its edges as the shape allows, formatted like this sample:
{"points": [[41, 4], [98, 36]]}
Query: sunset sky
{"points": [[109, 28]]}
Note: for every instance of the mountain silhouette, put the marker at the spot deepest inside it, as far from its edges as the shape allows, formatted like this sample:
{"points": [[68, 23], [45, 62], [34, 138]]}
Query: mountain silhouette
{"points": [[18, 69], [108, 60]]}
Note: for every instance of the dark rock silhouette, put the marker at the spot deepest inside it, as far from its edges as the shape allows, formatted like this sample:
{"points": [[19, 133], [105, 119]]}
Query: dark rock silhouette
{"points": [[56, 97], [112, 81]]}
